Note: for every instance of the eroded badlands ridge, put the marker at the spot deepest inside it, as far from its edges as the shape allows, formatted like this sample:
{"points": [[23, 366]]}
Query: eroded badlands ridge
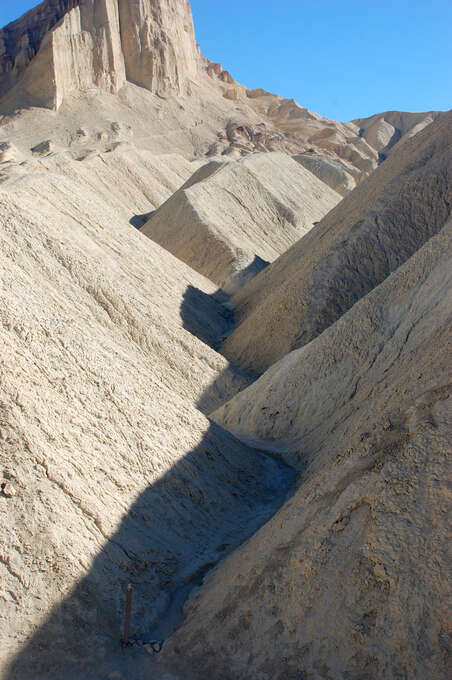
{"points": [[356, 246], [100, 61], [132, 451], [348, 579], [230, 220], [117, 474]]}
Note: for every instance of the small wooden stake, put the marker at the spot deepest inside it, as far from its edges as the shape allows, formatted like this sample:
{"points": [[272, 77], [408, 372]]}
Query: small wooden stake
{"points": [[128, 612]]}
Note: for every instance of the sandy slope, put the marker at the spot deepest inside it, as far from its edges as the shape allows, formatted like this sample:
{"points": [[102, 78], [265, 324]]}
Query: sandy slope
{"points": [[349, 579], [357, 245], [233, 218], [116, 474], [111, 471]]}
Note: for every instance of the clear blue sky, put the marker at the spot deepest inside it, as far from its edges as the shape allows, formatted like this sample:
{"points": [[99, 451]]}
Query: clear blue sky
{"points": [[342, 58]]}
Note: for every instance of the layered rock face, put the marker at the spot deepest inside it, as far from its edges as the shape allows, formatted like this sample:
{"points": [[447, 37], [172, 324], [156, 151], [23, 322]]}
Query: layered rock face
{"points": [[358, 244], [158, 43], [76, 47], [231, 219], [319, 133], [58, 49], [21, 40]]}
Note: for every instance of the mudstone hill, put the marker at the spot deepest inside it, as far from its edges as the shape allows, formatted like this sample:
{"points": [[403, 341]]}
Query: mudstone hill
{"points": [[224, 370]]}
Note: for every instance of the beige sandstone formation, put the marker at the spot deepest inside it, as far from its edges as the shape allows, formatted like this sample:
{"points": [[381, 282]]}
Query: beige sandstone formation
{"points": [[100, 61], [231, 219], [355, 247], [159, 46], [348, 580], [342, 139], [60, 48], [8, 153]]}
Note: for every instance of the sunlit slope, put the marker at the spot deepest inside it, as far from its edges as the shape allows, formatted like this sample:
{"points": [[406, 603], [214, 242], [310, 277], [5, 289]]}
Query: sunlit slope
{"points": [[110, 472], [231, 223], [349, 578], [356, 246]]}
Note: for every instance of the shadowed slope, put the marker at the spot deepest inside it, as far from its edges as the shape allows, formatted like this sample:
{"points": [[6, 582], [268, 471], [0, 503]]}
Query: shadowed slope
{"points": [[116, 475], [384, 130]]}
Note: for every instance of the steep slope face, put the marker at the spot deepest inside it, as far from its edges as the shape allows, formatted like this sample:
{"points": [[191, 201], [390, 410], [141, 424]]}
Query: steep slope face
{"points": [[360, 242], [56, 49], [159, 47], [229, 224], [74, 45], [109, 472], [341, 139], [340, 176], [348, 579]]}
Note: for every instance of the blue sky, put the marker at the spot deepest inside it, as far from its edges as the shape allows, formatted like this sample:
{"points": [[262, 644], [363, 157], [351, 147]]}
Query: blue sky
{"points": [[342, 58]]}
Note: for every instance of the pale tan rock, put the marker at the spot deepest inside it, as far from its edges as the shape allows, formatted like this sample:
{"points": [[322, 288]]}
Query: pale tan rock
{"points": [[8, 490], [8, 152], [103, 390], [158, 44], [360, 242], [428, 118], [65, 49], [349, 578], [229, 224], [43, 148], [379, 134], [331, 171], [385, 130], [108, 370], [87, 50], [275, 410], [315, 131], [77, 46]]}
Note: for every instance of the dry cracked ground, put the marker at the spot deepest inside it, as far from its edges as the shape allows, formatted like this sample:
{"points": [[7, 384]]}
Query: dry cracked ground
{"points": [[224, 369]]}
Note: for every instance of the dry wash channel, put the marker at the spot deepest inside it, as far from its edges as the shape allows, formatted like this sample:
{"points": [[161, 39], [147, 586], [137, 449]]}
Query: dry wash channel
{"points": [[116, 474]]}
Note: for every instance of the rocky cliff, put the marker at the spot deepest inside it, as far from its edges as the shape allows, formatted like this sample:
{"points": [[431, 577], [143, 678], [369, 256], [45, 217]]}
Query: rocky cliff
{"points": [[74, 45], [77, 50]]}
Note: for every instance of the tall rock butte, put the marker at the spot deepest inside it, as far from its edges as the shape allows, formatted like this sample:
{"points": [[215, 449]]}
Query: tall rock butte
{"points": [[72, 45], [76, 49]]}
